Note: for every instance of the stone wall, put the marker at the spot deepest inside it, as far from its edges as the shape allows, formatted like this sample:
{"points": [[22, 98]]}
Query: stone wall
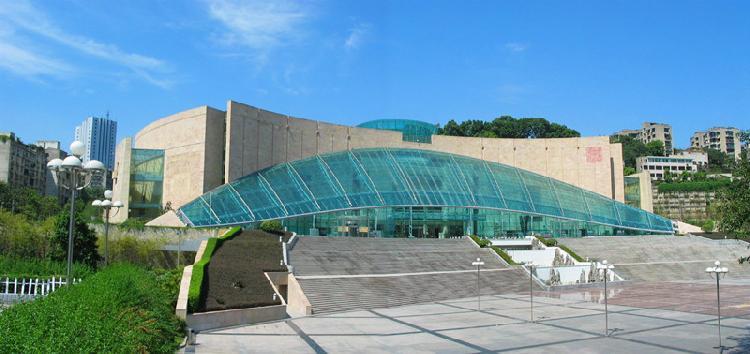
{"points": [[257, 139], [683, 205]]}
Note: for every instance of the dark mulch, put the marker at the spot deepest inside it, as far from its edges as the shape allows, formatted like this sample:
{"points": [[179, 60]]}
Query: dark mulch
{"points": [[235, 274], [721, 236]]}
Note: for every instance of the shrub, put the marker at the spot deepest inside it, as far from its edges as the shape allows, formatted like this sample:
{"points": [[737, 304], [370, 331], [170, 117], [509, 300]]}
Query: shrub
{"points": [[39, 268], [196, 291], [21, 237], [504, 255], [570, 252], [121, 309], [133, 224], [708, 226], [84, 240], [549, 242], [271, 226], [481, 241], [694, 186], [132, 250]]}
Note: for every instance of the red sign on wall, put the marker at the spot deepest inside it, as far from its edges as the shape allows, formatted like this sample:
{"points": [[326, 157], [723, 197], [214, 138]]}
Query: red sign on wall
{"points": [[593, 154]]}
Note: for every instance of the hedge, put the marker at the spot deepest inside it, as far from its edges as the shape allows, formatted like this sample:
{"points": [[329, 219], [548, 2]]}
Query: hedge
{"points": [[196, 292], [694, 186], [504, 255], [549, 242], [121, 309], [480, 241], [570, 252], [39, 268]]}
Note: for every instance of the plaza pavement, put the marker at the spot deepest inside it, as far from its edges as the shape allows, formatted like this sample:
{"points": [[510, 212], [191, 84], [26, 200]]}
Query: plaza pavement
{"points": [[668, 317]]}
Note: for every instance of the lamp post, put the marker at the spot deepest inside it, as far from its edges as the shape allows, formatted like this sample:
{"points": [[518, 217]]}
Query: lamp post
{"points": [[717, 271], [107, 204], [73, 175], [606, 267], [478, 263], [530, 264]]}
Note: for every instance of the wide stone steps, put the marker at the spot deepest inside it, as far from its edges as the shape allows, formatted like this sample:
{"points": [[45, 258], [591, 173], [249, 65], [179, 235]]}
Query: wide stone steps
{"points": [[349, 256], [341, 294], [663, 258]]}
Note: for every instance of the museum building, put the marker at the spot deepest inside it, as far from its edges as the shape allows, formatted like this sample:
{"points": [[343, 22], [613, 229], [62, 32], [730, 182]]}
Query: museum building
{"points": [[389, 178]]}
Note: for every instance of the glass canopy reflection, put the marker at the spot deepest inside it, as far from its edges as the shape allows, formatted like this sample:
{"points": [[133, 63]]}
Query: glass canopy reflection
{"points": [[399, 181]]}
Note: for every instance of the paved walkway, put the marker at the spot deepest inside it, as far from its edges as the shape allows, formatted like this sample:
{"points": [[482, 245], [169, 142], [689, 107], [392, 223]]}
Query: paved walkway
{"points": [[643, 318]]}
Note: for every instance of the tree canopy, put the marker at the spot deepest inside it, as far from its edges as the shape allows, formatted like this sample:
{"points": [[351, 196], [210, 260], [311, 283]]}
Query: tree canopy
{"points": [[733, 203], [633, 148], [509, 127]]}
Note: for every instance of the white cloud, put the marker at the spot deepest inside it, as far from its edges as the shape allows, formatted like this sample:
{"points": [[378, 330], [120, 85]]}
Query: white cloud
{"points": [[357, 36], [260, 25], [516, 47], [23, 15], [28, 64]]}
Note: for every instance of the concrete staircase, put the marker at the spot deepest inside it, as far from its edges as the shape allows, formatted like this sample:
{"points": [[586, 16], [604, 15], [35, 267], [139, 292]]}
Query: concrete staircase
{"points": [[346, 273], [663, 258]]}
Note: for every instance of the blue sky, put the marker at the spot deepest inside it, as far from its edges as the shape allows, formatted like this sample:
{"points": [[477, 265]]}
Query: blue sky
{"points": [[596, 66]]}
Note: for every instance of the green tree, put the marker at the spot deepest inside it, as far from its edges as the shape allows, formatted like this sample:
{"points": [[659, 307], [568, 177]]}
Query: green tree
{"points": [[28, 202], [631, 149], [509, 127], [84, 240], [655, 148], [718, 161], [733, 202], [627, 171]]}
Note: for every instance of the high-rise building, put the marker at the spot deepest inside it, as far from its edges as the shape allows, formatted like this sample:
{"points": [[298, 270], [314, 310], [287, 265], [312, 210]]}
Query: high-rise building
{"points": [[22, 165], [724, 139], [99, 135], [52, 151], [651, 131]]}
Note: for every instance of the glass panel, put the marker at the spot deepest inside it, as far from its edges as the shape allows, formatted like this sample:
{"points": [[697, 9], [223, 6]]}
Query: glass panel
{"points": [[434, 178], [353, 179], [227, 206], [632, 217], [511, 187], [541, 193], [481, 181], [322, 185], [258, 198], [289, 189], [571, 200], [602, 209], [146, 183], [386, 176], [198, 214]]}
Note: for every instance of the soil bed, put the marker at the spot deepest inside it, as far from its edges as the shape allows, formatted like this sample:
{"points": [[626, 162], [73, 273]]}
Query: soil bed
{"points": [[235, 278]]}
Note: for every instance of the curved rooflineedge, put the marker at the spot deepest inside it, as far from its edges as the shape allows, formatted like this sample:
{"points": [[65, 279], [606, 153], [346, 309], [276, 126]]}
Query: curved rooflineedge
{"points": [[260, 172], [187, 221]]}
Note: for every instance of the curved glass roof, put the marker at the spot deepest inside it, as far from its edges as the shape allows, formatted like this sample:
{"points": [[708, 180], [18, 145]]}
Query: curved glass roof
{"points": [[366, 178], [412, 130]]}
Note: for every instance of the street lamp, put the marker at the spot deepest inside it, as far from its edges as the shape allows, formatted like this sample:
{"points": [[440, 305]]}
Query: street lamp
{"points": [[606, 267], [717, 271], [107, 204], [73, 175], [530, 264], [478, 263]]}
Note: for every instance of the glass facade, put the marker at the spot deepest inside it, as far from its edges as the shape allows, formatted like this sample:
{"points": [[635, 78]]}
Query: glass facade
{"points": [[446, 190], [412, 130], [146, 182], [633, 191]]}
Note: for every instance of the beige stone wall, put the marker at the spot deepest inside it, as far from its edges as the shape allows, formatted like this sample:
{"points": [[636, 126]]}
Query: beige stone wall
{"points": [[258, 138], [193, 144], [121, 178]]}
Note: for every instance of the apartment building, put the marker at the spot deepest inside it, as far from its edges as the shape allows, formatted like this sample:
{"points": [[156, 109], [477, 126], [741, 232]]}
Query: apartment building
{"points": [[22, 165], [651, 131], [658, 166], [724, 139]]}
